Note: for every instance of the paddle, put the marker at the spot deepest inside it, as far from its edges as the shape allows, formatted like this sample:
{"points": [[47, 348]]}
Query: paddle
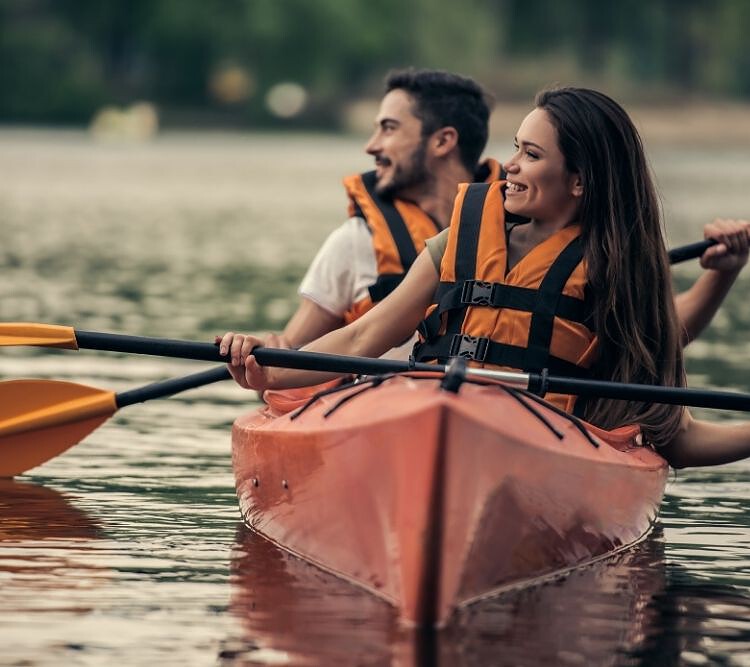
{"points": [[690, 251], [60, 336], [40, 419]]}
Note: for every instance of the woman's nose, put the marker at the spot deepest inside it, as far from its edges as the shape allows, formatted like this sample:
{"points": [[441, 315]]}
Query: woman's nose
{"points": [[510, 166]]}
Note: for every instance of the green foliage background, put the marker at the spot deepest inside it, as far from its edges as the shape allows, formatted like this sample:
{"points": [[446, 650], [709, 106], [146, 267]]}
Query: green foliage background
{"points": [[60, 60]]}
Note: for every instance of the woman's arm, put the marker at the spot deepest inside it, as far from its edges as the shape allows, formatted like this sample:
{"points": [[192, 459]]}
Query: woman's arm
{"points": [[701, 443], [385, 326]]}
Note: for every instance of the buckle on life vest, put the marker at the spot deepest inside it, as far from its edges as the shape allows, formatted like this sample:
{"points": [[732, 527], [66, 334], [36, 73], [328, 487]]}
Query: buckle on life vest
{"points": [[469, 347], [477, 293]]}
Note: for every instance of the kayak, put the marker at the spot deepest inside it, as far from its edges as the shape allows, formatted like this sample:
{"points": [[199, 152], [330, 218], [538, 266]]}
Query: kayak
{"points": [[432, 495]]}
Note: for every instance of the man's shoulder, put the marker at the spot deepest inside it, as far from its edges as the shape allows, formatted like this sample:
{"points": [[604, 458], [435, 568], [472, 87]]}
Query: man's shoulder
{"points": [[353, 227], [351, 234]]}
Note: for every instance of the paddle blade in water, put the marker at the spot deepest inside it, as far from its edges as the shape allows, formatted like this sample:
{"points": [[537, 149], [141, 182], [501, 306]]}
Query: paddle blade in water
{"points": [[43, 335], [40, 419]]}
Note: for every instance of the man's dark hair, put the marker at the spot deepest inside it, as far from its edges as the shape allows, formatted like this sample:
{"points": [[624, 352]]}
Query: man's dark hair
{"points": [[444, 99]]}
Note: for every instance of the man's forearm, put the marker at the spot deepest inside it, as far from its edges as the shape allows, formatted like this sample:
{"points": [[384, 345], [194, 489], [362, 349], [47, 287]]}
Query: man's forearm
{"points": [[697, 306]]}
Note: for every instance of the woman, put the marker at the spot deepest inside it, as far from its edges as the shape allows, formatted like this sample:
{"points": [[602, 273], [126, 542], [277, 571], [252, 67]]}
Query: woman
{"points": [[580, 174]]}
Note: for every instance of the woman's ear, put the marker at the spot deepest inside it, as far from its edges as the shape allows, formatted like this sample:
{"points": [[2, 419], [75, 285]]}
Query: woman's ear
{"points": [[577, 187]]}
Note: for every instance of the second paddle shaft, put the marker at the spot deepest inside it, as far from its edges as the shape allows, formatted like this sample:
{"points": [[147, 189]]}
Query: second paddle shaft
{"points": [[690, 251]]}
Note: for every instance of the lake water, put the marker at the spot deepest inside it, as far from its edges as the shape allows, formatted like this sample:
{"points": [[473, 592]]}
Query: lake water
{"points": [[129, 549]]}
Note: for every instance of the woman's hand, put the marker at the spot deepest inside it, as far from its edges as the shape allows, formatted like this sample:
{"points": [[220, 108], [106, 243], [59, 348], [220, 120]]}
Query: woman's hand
{"points": [[731, 252], [243, 367]]}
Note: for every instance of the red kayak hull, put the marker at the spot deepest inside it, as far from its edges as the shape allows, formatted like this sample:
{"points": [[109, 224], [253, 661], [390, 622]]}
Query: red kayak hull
{"points": [[432, 499]]}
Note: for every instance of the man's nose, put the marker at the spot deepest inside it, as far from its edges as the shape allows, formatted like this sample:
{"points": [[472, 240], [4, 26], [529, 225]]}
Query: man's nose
{"points": [[372, 147]]}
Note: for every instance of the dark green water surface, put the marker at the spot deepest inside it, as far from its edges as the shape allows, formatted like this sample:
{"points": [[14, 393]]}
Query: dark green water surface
{"points": [[129, 549]]}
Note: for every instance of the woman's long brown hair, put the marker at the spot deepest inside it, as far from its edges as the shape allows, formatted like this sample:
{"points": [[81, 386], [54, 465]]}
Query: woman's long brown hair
{"points": [[626, 259]]}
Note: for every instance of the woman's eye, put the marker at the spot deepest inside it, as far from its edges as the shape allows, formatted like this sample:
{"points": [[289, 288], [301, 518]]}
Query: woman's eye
{"points": [[532, 155]]}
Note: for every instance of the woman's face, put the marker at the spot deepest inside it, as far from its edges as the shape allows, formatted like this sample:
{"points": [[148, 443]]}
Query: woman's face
{"points": [[539, 186]]}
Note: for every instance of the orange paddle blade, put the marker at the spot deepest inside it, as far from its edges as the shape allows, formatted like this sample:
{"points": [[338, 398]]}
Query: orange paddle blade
{"points": [[40, 419], [44, 335]]}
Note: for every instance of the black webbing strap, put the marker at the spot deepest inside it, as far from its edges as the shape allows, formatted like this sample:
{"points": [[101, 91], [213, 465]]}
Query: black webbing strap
{"points": [[429, 327], [488, 351], [357, 212], [546, 307], [467, 244], [399, 231], [500, 295], [468, 231]]}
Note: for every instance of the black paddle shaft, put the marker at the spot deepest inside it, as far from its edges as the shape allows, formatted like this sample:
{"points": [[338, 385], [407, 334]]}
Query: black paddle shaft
{"points": [[266, 356], [690, 251], [160, 347], [699, 398], [170, 387]]}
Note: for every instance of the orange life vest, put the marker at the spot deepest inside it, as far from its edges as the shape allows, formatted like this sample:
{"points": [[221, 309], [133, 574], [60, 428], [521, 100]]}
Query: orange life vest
{"points": [[532, 317], [399, 229]]}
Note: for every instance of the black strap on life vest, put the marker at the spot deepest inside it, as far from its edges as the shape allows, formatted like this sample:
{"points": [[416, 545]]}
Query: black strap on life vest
{"points": [[544, 303], [384, 285], [546, 307], [468, 246], [451, 296], [485, 350], [407, 252], [405, 247]]}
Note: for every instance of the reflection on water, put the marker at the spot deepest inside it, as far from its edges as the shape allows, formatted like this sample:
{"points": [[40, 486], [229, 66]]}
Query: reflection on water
{"points": [[126, 551], [634, 609], [291, 609], [130, 566], [29, 512], [45, 547]]}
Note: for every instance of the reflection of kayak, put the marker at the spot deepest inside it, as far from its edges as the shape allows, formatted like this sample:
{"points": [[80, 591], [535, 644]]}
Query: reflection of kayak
{"points": [[596, 615], [288, 608], [293, 611], [433, 499]]}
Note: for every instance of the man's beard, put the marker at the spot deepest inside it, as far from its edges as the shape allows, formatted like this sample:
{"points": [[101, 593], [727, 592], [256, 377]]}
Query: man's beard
{"points": [[407, 176]]}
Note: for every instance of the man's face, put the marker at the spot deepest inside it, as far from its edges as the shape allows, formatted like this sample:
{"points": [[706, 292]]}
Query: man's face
{"points": [[398, 146]]}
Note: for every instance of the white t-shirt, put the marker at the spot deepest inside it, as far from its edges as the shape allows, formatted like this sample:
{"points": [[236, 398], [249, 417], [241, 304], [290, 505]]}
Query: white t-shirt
{"points": [[341, 272], [343, 269]]}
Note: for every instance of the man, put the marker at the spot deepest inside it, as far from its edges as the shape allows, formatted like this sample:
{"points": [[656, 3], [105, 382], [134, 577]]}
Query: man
{"points": [[430, 131]]}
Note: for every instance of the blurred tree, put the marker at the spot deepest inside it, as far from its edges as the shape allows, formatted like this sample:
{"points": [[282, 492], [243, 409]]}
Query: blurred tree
{"points": [[62, 59], [46, 71]]}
